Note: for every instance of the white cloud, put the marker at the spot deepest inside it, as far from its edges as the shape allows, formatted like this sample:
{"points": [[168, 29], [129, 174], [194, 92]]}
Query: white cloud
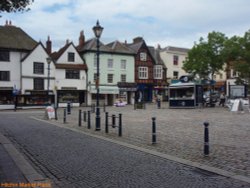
{"points": [[168, 22]]}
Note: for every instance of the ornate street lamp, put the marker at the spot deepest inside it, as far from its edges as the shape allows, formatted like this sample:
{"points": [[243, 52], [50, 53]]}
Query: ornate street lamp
{"points": [[98, 32], [49, 60]]}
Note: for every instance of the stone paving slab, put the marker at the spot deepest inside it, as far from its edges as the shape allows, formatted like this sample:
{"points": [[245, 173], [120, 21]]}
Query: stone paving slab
{"points": [[180, 133]]}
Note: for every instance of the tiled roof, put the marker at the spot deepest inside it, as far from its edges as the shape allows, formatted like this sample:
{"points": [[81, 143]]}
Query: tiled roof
{"points": [[136, 46], [176, 49], [118, 47], [12, 37], [155, 53], [90, 45], [56, 55]]}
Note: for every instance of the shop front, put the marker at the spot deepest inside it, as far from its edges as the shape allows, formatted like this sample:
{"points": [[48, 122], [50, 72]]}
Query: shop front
{"points": [[144, 93], [72, 95], [185, 95], [7, 99], [127, 92]]}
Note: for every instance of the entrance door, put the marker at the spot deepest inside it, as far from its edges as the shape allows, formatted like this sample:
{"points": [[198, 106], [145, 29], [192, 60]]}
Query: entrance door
{"points": [[110, 100]]}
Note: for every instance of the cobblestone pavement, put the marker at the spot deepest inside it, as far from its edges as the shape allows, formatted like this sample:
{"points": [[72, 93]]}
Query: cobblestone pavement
{"points": [[180, 133], [71, 159]]}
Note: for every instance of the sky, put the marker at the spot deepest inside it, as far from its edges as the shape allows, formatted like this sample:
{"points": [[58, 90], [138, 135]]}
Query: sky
{"points": [[177, 23]]}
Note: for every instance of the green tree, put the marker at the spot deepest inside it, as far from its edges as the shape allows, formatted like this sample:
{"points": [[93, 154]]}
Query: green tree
{"points": [[206, 58], [14, 5]]}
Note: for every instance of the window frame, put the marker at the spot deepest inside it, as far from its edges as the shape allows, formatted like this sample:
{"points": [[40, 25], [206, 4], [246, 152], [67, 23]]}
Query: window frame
{"points": [[5, 55], [37, 85], [158, 72], [110, 78], [72, 74], [123, 78], [123, 64], [110, 64], [71, 57], [4, 75], [143, 56], [143, 73], [175, 60], [37, 69]]}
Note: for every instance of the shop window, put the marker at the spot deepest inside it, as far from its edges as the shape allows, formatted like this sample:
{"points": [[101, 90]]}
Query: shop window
{"points": [[4, 75], [4, 55], [72, 74], [68, 96], [38, 84], [38, 68]]}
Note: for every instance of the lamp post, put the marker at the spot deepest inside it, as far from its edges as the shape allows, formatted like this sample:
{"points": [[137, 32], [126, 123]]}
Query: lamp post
{"points": [[98, 31], [48, 59]]}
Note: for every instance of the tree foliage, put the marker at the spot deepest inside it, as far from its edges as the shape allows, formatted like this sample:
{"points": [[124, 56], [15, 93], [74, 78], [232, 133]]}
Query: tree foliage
{"points": [[206, 58], [14, 5]]}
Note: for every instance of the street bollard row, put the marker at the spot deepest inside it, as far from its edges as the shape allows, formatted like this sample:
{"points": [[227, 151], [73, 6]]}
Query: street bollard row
{"points": [[113, 125]]}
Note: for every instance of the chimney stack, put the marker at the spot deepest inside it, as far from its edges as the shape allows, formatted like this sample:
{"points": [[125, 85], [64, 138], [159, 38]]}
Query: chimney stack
{"points": [[49, 46], [137, 39], [81, 39]]}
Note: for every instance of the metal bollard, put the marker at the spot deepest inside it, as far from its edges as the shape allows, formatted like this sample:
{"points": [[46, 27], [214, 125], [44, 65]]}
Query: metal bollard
{"points": [[206, 139], [113, 121], [64, 115], [106, 122], [68, 108], [153, 130], [80, 118], [89, 120], [159, 103], [56, 118], [84, 116], [120, 125]]}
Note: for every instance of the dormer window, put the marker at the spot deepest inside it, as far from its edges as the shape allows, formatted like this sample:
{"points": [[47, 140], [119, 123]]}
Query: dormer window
{"points": [[143, 56], [71, 57]]}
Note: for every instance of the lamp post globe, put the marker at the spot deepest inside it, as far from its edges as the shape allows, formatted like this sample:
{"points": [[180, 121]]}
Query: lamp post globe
{"points": [[97, 29]]}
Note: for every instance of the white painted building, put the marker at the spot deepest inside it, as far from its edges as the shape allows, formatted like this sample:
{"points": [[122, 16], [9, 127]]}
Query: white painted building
{"points": [[70, 76]]}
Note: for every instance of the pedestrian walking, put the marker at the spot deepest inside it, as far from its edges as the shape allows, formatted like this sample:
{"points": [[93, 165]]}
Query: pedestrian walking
{"points": [[222, 99]]}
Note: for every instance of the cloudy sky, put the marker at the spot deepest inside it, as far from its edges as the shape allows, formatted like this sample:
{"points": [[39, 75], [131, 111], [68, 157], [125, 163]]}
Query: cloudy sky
{"points": [[166, 22]]}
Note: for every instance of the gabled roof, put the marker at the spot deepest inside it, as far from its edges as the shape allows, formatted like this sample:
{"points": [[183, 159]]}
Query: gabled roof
{"points": [[15, 38], [136, 46], [28, 54], [155, 53], [118, 47], [90, 45], [56, 55]]}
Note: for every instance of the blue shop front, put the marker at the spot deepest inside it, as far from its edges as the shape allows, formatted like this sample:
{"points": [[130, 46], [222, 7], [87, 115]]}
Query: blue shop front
{"points": [[144, 93]]}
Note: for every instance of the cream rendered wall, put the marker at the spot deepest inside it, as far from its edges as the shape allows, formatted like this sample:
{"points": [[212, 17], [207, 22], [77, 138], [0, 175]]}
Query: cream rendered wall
{"points": [[167, 57]]}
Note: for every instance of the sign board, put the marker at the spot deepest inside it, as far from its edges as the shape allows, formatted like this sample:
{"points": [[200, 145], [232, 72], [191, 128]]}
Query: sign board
{"points": [[50, 112]]}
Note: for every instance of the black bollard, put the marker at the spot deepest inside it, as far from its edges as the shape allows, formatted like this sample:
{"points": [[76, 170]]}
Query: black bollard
{"points": [[106, 122], [113, 121], [89, 121], [68, 108], [80, 118], [56, 118], [84, 116], [159, 103], [64, 115], [206, 139], [120, 125], [153, 131]]}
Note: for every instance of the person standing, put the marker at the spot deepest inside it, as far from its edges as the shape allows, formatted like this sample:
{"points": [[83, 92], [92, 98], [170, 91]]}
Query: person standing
{"points": [[222, 99]]}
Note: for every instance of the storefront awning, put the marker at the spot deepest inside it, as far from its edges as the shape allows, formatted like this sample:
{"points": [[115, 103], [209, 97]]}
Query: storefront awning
{"points": [[105, 89]]}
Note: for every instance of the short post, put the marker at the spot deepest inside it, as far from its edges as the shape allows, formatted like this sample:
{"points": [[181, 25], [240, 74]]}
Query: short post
{"points": [[64, 115], [89, 121], [158, 103], [120, 125], [206, 139], [56, 118], [113, 121], [153, 130], [80, 118], [68, 108], [106, 122], [84, 116]]}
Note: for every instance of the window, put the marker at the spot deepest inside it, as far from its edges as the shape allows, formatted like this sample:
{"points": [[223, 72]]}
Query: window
{"points": [[72, 74], [123, 64], [175, 59], [143, 73], [71, 57], [110, 63], [123, 77], [143, 56], [38, 68], [234, 73], [95, 76], [4, 55], [4, 75], [38, 84], [176, 74], [158, 72], [110, 78]]}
